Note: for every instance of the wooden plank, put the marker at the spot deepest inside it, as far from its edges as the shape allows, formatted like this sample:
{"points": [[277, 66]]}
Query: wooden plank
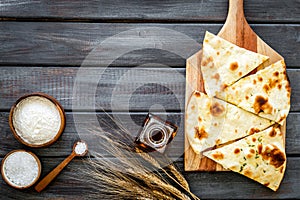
{"points": [[63, 146], [59, 82], [154, 10], [71, 185], [163, 86], [132, 122], [63, 187], [69, 43], [295, 85], [39, 44]]}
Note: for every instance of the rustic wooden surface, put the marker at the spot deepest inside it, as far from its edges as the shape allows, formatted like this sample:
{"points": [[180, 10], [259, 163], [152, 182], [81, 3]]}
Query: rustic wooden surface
{"points": [[43, 44]]}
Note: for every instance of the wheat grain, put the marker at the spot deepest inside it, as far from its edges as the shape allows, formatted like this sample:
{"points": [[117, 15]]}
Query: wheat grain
{"points": [[125, 175], [161, 195], [153, 180], [179, 177]]}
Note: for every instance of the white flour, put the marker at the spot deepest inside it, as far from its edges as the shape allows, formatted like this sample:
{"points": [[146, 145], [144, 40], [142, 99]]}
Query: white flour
{"points": [[80, 148], [21, 169], [36, 120]]}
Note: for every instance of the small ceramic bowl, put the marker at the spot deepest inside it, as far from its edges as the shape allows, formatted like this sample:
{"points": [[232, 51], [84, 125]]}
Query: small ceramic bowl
{"points": [[13, 176], [39, 133]]}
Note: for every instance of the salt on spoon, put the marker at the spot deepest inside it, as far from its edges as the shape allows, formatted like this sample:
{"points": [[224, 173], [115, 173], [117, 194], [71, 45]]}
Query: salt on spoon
{"points": [[80, 148]]}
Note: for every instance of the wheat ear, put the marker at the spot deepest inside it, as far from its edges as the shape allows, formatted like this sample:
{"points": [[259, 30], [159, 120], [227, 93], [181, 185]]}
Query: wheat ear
{"points": [[155, 163], [153, 181], [161, 195], [179, 177]]}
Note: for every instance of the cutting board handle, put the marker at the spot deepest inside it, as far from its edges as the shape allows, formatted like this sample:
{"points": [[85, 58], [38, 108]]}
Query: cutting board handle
{"points": [[236, 28], [236, 12]]}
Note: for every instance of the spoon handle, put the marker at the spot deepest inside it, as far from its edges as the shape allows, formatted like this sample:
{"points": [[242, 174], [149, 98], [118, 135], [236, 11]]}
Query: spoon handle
{"points": [[47, 179]]}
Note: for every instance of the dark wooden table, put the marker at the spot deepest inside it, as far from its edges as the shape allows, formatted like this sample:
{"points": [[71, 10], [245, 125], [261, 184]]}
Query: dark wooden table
{"points": [[44, 44]]}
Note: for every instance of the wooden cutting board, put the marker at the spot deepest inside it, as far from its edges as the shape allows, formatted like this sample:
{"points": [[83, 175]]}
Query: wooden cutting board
{"points": [[236, 30]]}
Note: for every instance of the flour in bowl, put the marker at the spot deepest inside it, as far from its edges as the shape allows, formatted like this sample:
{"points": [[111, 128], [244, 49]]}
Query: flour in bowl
{"points": [[36, 120]]}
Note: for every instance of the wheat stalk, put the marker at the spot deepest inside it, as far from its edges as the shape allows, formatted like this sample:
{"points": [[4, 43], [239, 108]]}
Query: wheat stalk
{"points": [[125, 175], [162, 196], [112, 183], [172, 168], [179, 177], [181, 181], [123, 185], [153, 180]]}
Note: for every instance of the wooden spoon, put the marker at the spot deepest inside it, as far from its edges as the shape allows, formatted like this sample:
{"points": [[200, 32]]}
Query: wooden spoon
{"points": [[75, 152], [236, 30]]}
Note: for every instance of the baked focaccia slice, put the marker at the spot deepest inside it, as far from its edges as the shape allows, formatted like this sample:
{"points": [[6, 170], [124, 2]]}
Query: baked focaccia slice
{"points": [[223, 63], [260, 156], [265, 93], [210, 121]]}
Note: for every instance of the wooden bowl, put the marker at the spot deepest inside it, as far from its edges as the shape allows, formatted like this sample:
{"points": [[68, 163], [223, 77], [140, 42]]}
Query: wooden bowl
{"points": [[58, 107], [8, 181]]}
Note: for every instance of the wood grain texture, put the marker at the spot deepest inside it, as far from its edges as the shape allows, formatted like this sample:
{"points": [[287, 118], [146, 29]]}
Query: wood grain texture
{"points": [[63, 146], [42, 184], [131, 121], [43, 43], [53, 43], [237, 31], [153, 10], [70, 184], [59, 82]]}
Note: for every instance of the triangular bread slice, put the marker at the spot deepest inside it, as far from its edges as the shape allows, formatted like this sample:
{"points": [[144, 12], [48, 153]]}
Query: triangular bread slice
{"points": [[210, 122], [265, 93], [260, 156], [223, 63]]}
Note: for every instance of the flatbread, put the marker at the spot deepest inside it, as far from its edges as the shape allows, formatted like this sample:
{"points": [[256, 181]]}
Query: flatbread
{"points": [[260, 157], [223, 63], [265, 93], [210, 122]]}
